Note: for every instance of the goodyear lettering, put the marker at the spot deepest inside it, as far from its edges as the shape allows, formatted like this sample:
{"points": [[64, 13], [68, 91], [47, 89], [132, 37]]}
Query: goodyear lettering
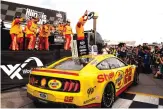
{"points": [[87, 101], [105, 77]]}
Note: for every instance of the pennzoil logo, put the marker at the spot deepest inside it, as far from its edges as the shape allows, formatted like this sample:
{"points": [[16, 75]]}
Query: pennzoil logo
{"points": [[119, 79], [54, 84]]}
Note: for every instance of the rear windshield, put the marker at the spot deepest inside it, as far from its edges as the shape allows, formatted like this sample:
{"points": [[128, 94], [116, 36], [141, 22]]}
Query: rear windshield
{"points": [[73, 64]]}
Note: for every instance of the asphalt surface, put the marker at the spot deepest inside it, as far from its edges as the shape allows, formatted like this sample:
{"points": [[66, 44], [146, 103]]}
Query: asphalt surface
{"points": [[17, 98]]}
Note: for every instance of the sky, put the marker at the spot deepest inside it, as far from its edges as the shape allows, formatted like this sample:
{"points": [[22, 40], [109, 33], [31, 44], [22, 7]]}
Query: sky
{"points": [[140, 20]]}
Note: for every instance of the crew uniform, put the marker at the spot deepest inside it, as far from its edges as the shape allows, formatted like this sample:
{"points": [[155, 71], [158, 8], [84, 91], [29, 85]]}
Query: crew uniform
{"points": [[67, 33], [60, 28], [80, 27], [15, 31], [43, 35], [31, 32], [20, 39]]}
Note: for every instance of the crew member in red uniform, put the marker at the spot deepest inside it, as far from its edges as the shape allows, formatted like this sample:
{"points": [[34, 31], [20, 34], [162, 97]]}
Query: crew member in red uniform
{"points": [[31, 32], [15, 31], [67, 33], [44, 34], [25, 31], [20, 39], [80, 26]]}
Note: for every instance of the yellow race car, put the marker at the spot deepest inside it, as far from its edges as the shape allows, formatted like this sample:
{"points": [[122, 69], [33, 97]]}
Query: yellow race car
{"points": [[88, 81]]}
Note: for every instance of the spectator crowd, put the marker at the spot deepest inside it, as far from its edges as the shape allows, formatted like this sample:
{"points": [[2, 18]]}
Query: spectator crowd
{"points": [[149, 60]]}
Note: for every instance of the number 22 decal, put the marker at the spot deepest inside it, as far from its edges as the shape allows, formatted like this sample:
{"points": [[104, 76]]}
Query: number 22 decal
{"points": [[128, 75]]}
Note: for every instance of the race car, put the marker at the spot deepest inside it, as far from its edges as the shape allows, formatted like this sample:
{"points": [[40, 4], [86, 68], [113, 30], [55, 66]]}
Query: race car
{"points": [[88, 81]]}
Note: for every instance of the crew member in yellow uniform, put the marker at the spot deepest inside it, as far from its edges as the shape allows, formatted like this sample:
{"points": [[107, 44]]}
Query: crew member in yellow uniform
{"points": [[31, 32], [80, 26], [60, 28], [67, 33], [25, 31], [20, 39], [14, 32], [44, 36]]}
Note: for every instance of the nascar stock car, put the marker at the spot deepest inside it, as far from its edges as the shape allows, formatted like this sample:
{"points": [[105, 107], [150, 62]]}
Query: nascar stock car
{"points": [[88, 81]]}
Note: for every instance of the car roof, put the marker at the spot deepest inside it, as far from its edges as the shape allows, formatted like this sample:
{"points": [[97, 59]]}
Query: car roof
{"points": [[98, 57]]}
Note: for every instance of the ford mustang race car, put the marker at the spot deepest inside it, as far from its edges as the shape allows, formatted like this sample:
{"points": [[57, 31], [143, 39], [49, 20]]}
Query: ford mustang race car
{"points": [[88, 81]]}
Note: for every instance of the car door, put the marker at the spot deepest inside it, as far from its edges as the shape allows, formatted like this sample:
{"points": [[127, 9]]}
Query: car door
{"points": [[128, 72], [119, 69]]}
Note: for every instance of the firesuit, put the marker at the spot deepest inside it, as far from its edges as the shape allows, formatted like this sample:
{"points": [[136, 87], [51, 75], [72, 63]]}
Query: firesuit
{"points": [[20, 39], [44, 33], [31, 32], [80, 27], [14, 32], [67, 33], [60, 28]]}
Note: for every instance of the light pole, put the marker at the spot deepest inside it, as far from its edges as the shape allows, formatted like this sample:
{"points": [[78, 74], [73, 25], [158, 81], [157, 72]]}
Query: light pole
{"points": [[94, 25]]}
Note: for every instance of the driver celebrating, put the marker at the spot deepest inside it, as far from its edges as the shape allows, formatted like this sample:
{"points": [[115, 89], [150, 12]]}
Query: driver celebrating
{"points": [[80, 26]]}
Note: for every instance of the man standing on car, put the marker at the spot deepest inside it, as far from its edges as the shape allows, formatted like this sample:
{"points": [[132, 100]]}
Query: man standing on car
{"points": [[67, 34], [80, 26]]}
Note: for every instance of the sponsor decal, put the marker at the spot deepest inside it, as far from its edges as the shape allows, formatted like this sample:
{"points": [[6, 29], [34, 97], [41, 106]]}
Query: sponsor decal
{"points": [[90, 100], [14, 71], [43, 82], [119, 78], [105, 77], [68, 99], [33, 13], [90, 90], [54, 84], [128, 75], [82, 47]]}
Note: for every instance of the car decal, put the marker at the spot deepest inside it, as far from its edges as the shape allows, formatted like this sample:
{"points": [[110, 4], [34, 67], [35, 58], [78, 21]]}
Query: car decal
{"points": [[119, 79], [105, 77], [58, 72]]}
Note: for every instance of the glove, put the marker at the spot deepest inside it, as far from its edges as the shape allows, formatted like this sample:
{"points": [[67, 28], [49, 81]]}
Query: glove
{"points": [[86, 13]]}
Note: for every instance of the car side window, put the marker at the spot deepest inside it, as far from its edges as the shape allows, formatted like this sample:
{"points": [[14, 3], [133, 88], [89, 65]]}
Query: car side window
{"points": [[121, 64], [103, 65], [113, 63]]}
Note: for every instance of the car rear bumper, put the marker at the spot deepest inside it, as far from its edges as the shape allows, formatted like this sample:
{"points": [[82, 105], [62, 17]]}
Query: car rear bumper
{"points": [[35, 99], [32, 93]]}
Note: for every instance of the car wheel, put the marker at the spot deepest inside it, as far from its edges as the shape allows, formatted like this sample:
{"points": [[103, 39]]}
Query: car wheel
{"points": [[108, 96], [136, 78]]}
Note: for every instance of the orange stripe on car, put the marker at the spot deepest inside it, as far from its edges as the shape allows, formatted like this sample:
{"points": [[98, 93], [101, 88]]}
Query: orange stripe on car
{"points": [[59, 72]]}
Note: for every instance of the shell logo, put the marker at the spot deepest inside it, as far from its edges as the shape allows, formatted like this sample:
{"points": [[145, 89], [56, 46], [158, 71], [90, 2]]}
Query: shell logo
{"points": [[54, 84], [119, 79]]}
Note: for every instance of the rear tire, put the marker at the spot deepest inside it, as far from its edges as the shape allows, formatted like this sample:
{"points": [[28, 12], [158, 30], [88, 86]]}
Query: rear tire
{"points": [[108, 96], [136, 78]]}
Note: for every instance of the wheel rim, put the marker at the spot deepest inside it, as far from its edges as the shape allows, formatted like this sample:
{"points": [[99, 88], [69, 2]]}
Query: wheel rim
{"points": [[108, 96]]}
